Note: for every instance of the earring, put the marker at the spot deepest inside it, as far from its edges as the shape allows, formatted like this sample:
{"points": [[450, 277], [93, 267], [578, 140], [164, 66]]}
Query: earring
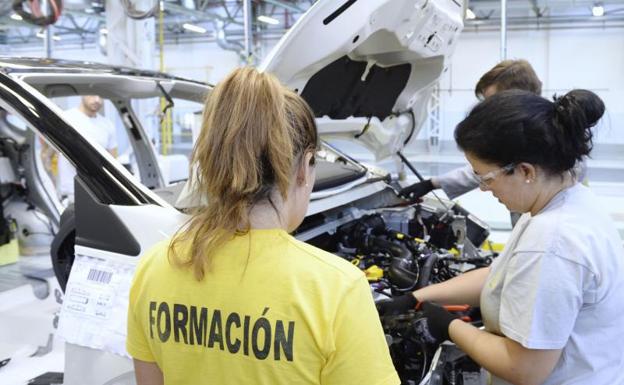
{"points": [[528, 181]]}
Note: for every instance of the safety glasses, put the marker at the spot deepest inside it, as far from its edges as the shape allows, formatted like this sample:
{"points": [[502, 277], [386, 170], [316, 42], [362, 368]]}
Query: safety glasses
{"points": [[485, 180]]}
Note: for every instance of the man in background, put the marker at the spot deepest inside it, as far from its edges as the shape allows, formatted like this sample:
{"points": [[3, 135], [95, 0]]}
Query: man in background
{"points": [[95, 127], [506, 75]]}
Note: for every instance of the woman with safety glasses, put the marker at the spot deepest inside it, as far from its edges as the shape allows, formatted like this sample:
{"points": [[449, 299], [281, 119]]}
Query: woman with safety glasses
{"points": [[551, 302]]}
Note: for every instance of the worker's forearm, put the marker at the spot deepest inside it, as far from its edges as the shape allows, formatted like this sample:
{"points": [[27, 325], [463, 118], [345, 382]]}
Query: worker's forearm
{"points": [[502, 356], [463, 289]]}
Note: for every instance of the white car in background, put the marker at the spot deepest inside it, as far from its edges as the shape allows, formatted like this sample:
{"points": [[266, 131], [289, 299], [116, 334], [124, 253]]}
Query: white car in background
{"points": [[367, 69]]}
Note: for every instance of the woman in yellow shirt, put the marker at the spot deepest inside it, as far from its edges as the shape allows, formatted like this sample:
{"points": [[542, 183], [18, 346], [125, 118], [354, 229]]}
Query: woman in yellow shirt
{"points": [[233, 298]]}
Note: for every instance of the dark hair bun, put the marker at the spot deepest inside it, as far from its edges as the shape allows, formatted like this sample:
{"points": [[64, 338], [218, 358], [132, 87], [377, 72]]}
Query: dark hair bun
{"points": [[575, 114], [581, 105]]}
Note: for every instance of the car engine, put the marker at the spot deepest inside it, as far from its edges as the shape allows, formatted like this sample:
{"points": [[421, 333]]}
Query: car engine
{"points": [[401, 249]]}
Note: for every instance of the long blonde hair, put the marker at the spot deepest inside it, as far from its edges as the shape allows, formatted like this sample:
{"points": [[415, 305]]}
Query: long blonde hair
{"points": [[254, 133]]}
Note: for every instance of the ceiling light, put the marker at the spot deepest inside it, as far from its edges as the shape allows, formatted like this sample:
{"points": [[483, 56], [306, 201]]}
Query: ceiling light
{"points": [[470, 15], [598, 10], [17, 17], [193, 28], [268, 20], [42, 35]]}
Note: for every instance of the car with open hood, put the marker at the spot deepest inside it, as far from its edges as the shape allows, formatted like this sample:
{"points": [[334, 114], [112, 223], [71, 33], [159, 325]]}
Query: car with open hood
{"points": [[367, 69]]}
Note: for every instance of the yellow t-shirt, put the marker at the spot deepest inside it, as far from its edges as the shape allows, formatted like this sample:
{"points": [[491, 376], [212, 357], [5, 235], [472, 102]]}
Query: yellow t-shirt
{"points": [[272, 310]]}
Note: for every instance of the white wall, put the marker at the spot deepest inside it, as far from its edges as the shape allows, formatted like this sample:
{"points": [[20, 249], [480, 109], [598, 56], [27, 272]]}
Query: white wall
{"points": [[205, 62], [563, 59]]}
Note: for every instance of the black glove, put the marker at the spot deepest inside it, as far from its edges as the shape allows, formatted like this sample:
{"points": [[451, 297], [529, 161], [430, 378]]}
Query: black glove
{"points": [[438, 321], [397, 305], [417, 189]]}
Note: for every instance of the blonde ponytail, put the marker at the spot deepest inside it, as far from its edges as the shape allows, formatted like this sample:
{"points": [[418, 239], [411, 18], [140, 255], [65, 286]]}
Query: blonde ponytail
{"points": [[254, 130]]}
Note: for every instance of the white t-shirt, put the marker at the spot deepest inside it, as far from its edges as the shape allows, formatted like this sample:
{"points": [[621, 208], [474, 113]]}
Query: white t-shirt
{"points": [[97, 129], [559, 284]]}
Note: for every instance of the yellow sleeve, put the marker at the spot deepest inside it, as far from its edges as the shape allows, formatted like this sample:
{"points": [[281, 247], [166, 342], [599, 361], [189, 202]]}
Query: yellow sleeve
{"points": [[136, 341], [361, 354]]}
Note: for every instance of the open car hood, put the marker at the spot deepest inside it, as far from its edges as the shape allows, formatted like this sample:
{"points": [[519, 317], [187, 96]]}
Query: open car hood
{"points": [[367, 67]]}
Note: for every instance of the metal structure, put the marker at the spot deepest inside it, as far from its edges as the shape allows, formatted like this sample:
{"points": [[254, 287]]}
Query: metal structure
{"points": [[511, 15], [503, 30], [225, 20], [434, 121]]}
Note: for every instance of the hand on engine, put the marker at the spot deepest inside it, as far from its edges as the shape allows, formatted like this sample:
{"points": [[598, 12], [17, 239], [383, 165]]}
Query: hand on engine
{"points": [[438, 321], [397, 305]]}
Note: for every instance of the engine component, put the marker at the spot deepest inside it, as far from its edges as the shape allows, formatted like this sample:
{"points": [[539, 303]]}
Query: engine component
{"points": [[395, 262]]}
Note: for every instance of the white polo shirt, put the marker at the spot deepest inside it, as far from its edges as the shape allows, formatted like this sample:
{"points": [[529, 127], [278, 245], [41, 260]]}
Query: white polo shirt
{"points": [[97, 129]]}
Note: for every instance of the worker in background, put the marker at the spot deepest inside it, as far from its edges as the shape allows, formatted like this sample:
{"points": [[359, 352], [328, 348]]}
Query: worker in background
{"points": [[85, 119], [551, 302], [233, 298], [506, 75]]}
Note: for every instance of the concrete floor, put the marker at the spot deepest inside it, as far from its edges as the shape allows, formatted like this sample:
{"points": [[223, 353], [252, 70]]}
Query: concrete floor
{"points": [[28, 314]]}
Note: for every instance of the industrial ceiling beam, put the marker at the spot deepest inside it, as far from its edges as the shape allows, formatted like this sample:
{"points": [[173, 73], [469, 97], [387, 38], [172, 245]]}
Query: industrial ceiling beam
{"points": [[195, 14], [535, 7], [283, 4]]}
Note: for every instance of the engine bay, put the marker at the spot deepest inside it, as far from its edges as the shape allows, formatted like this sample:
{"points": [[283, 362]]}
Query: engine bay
{"points": [[402, 248]]}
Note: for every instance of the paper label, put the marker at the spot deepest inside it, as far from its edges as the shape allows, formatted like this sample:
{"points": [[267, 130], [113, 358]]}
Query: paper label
{"points": [[94, 312]]}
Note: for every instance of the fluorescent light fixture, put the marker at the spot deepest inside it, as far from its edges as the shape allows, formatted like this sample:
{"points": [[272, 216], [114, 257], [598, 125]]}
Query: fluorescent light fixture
{"points": [[17, 17], [193, 28], [470, 15], [103, 31], [268, 20], [42, 35], [89, 10], [598, 10]]}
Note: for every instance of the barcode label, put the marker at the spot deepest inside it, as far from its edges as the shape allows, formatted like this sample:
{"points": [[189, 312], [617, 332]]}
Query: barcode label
{"points": [[99, 276]]}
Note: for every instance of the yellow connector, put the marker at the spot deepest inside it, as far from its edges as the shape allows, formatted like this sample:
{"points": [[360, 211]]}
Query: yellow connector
{"points": [[374, 273]]}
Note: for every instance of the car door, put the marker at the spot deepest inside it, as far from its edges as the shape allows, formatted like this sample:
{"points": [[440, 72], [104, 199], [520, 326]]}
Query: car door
{"points": [[116, 219]]}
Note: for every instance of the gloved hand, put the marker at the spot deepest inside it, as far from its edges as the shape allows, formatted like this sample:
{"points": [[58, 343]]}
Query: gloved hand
{"points": [[438, 321], [397, 305], [417, 189]]}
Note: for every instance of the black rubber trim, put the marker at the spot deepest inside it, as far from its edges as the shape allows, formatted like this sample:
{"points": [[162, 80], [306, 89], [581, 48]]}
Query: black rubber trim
{"points": [[330, 175], [338, 11], [98, 227], [62, 247]]}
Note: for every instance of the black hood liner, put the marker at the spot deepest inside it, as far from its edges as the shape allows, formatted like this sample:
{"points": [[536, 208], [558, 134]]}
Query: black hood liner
{"points": [[338, 91]]}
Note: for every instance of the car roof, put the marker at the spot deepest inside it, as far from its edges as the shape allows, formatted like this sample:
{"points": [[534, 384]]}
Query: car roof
{"points": [[43, 65]]}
